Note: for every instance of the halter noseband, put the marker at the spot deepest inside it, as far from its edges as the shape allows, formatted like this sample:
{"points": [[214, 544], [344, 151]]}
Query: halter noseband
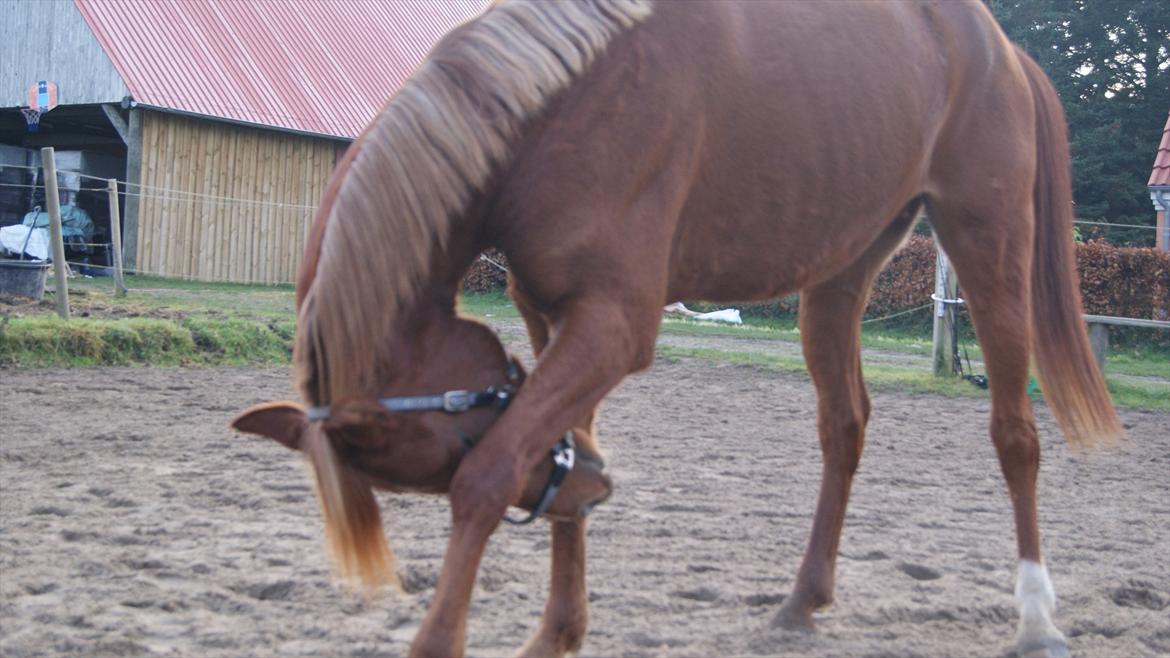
{"points": [[458, 401], [564, 455]]}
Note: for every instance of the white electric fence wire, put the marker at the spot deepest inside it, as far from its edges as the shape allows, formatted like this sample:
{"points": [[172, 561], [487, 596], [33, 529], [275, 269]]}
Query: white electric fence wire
{"points": [[173, 194]]}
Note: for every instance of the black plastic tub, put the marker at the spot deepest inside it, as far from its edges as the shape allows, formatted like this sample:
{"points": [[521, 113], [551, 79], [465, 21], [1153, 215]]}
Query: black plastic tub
{"points": [[23, 277]]}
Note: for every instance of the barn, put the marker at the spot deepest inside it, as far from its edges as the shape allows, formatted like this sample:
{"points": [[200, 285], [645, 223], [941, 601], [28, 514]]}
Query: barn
{"points": [[222, 119]]}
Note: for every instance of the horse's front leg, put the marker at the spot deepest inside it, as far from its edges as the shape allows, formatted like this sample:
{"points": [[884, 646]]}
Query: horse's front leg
{"points": [[562, 628], [566, 615], [598, 344]]}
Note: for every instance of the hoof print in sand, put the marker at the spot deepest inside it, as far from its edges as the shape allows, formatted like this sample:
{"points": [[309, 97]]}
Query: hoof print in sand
{"points": [[48, 510], [764, 599], [36, 589], [651, 641], [919, 572], [702, 594], [867, 557], [415, 580], [1139, 595], [281, 590]]}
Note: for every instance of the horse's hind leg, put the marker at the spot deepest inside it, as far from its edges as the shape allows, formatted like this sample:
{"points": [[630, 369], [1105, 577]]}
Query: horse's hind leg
{"points": [[989, 239], [830, 329]]}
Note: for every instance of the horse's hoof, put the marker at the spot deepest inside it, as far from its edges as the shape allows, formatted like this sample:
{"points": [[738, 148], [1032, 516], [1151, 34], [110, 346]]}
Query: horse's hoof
{"points": [[551, 644], [538, 649], [794, 617], [1043, 648]]}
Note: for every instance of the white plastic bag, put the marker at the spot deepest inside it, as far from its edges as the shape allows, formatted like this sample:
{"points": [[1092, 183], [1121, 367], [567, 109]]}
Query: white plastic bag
{"points": [[729, 315], [16, 238]]}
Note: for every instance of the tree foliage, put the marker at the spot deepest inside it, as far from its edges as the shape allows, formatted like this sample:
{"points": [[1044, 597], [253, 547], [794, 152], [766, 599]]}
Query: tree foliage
{"points": [[1110, 63]]}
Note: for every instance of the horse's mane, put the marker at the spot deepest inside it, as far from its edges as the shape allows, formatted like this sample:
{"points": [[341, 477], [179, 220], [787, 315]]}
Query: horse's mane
{"points": [[417, 166]]}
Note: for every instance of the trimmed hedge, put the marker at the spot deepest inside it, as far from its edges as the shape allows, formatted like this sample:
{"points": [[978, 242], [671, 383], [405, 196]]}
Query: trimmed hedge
{"points": [[1130, 282], [906, 281]]}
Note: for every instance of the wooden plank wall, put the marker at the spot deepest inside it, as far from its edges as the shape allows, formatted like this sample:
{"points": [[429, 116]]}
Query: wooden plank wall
{"points": [[50, 40], [222, 202]]}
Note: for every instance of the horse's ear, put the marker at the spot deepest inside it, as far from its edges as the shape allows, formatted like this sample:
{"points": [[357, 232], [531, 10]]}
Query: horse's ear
{"points": [[282, 421]]}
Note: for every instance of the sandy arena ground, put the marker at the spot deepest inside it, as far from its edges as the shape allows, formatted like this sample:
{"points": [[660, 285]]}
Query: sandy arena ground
{"points": [[133, 522]]}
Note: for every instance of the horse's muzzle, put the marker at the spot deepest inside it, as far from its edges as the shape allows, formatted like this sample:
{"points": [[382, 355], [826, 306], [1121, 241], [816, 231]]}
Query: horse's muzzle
{"points": [[585, 487]]}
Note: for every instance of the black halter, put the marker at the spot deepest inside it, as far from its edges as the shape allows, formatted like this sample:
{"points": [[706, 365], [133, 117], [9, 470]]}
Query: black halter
{"points": [[564, 456], [453, 402]]}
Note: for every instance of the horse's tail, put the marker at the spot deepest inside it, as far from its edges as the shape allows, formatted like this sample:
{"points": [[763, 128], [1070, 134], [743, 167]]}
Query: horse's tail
{"points": [[1069, 376], [353, 524]]}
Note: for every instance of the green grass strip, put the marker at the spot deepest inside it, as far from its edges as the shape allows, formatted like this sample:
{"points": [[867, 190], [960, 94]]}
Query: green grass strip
{"points": [[1154, 395], [49, 341], [492, 305], [234, 324], [45, 341], [884, 378], [170, 297], [877, 378]]}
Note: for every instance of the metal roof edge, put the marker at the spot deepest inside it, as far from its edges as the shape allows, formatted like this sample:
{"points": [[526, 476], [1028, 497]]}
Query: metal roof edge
{"points": [[238, 122]]}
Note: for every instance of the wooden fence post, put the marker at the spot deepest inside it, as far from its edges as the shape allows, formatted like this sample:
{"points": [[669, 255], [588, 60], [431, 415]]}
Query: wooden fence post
{"points": [[946, 288], [1099, 331], [116, 238], [53, 203], [133, 187], [1099, 341]]}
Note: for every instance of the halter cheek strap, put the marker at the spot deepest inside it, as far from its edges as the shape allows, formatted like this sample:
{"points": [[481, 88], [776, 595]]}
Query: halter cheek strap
{"points": [[452, 402]]}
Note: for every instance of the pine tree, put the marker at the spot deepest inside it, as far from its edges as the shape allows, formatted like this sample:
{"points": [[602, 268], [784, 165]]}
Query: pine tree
{"points": [[1110, 63]]}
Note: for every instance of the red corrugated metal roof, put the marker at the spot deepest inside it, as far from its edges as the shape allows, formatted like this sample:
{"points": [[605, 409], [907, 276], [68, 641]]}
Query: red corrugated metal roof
{"points": [[320, 66], [1161, 173]]}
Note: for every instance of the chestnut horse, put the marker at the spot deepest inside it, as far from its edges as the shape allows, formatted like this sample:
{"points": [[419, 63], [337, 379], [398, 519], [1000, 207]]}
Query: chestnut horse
{"points": [[624, 154]]}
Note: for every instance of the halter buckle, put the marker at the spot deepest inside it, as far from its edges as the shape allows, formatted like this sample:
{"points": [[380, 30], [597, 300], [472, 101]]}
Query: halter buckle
{"points": [[563, 453], [457, 401]]}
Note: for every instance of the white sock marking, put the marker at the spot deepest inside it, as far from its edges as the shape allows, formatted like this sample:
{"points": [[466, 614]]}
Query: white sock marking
{"points": [[1036, 601]]}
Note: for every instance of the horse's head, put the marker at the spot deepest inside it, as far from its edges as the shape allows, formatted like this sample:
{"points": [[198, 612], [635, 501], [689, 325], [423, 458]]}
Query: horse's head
{"points": [[406, 450], [419, 450]]}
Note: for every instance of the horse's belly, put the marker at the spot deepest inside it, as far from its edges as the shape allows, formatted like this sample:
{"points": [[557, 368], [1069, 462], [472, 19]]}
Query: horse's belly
{"points": [[751, 245], [758, 265]]}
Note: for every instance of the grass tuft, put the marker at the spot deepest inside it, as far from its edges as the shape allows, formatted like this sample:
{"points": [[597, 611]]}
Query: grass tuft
{"points": [[44, 341]]}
